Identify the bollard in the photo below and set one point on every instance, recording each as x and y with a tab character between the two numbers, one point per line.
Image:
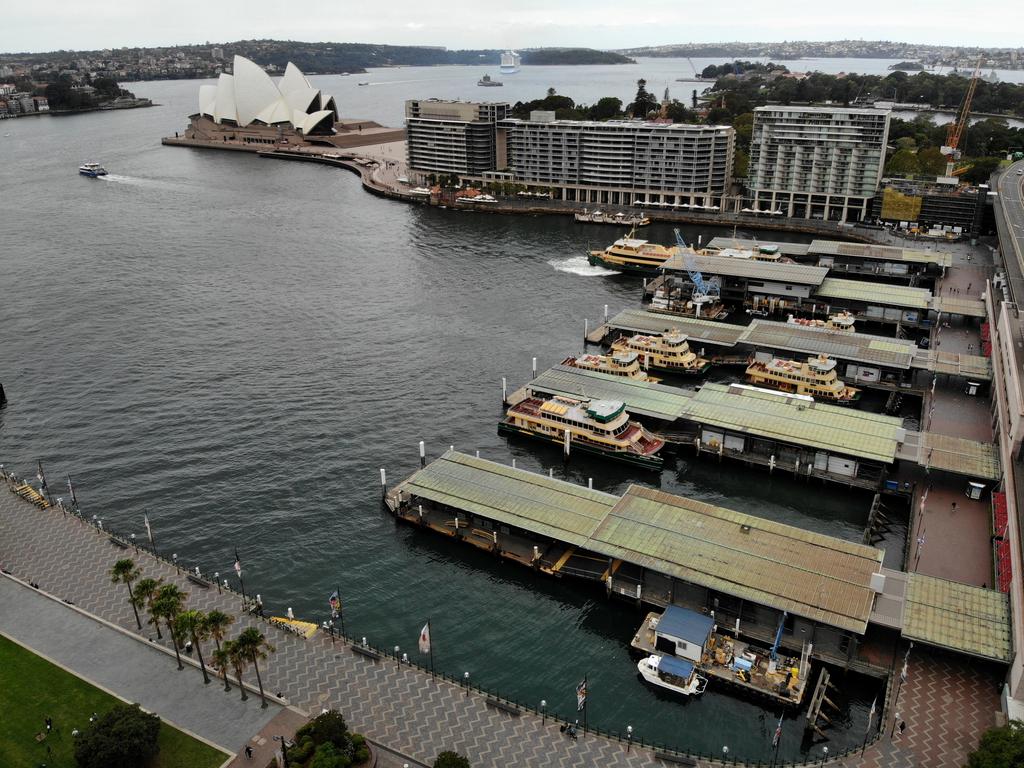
383	483
504	390
423	454
513	463
551	472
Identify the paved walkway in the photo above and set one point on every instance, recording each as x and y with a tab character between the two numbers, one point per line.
402	707
119	663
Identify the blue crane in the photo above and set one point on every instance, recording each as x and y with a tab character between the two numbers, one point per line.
703	290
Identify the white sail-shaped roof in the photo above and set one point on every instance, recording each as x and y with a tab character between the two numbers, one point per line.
297	91
255	92
207	99
310	122
224	104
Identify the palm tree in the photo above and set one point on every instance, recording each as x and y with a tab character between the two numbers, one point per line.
125	572
239	660
221	661
167	605
217	623
253	644
145	594
192	624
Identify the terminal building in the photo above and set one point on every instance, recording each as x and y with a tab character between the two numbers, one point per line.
820	163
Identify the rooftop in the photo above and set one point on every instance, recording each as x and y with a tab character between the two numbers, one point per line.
969	619
641	397
786	249
875	293
843	345
638	321
802	274
954	305
879	252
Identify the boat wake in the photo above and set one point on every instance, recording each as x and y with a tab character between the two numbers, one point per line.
578	265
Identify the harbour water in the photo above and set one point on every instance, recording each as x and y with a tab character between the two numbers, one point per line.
237	345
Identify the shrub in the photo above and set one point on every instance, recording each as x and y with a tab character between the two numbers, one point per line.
449	759
999	747
124	737
328	756
303	749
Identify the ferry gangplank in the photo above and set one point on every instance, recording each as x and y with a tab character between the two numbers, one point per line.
815	378
625	364
670	352
600	427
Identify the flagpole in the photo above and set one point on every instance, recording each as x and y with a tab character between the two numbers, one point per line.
430	640
238	570
149	530
586	703
341	615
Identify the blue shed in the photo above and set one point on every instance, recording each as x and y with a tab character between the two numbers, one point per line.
683	633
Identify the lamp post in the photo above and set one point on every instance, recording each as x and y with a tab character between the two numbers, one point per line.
725	753
543	711
824	755
135	545
629	737
465	678
284	750
398	661
216	580
174	559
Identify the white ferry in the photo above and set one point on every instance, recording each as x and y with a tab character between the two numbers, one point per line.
619	219
675	674
92	170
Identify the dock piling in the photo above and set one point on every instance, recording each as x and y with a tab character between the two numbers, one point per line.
513	463
590	483
551	472
383	483
423	454
420	508
478	453
504	390
606	313
586	328
534	368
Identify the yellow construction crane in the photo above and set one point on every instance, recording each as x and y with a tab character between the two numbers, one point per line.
956	129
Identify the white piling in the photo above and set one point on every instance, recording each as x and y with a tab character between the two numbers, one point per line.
478	454
586	328
513	463
534	369
551	472
645	283
383	482
420	506
699	239
451	448
423	454
606	313
771	463
590	483
504	390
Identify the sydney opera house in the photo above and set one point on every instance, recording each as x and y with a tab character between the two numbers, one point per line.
249	110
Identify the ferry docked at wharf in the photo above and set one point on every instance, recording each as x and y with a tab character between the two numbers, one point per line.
815	378
632	255
842	321
670	352
623	363
600	427
619	219
92	170
688	638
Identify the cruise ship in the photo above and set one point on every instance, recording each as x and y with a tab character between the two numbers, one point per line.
624	364
509	63
600	427
815	378
670	352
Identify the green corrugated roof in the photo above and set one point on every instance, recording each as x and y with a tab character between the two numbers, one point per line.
816	425
875	293
812	340
951	615
957	454
695	329
954	305
879	252
786	249
552	508
728	266
641	397
809	574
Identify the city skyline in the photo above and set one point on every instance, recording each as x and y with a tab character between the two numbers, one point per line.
530	23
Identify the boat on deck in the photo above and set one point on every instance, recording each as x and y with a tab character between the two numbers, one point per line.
817	378
629	254
92	170
670	352
600	427
676	675
625	364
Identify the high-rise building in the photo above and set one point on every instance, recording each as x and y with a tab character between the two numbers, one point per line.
619	162
816	162
452	136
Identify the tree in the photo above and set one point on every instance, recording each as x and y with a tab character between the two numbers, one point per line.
145	594
903	163
124	737
125	572
328	728
192	624
328	756
217	623
449	759
741	164
931	162
239	660
606	108
221	661
254	646
167	605
981	169
644	103
1000	747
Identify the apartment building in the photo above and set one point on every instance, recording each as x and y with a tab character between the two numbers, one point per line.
816	162
452	136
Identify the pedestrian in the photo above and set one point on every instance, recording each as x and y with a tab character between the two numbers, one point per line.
953	508
188	647
49	723
903	726
969	286
248	752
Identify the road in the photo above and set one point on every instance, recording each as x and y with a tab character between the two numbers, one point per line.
1010	222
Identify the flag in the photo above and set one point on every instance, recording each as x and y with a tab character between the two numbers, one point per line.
71	490
238	565
41	476
581	695
425	638
871	714
334	601
778	733
149	531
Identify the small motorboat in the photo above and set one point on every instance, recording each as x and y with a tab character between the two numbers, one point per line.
92	170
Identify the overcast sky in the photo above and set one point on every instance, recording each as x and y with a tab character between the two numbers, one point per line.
91	24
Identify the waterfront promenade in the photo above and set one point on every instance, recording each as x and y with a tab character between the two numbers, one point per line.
946	703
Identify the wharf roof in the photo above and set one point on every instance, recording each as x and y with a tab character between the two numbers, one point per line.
813	340
695	329
791	420
875	293
785	249
745	410
727	266
973	367
808	574
642	398
960	455
516	497
879	252
954	305
972	620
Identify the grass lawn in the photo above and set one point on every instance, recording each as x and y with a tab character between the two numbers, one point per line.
32	689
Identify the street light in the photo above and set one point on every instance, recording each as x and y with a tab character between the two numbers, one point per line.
629	737
216	580
725	754
398	661
284	750
465	677
134	544
824	754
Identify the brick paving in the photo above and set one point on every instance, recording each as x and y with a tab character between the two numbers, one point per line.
415	715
